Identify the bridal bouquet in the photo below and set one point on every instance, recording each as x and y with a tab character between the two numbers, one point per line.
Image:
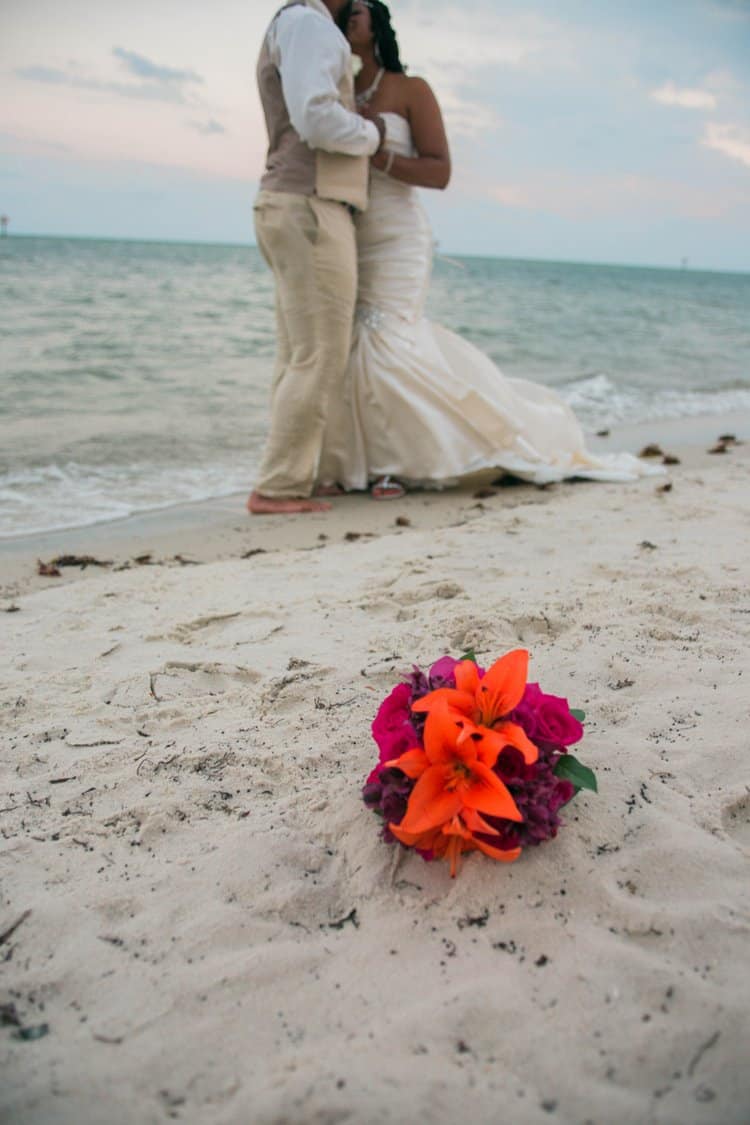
474	760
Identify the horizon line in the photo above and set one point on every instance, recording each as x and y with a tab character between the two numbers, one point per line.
681	268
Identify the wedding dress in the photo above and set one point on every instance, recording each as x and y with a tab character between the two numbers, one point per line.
421	404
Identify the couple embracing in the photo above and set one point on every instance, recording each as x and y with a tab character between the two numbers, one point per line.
367	393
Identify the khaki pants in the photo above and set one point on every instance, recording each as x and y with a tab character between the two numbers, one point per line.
309	244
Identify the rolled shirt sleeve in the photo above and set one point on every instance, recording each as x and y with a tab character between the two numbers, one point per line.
311	55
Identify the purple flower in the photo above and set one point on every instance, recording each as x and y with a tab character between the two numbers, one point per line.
443	673
538	793
388	796
546	718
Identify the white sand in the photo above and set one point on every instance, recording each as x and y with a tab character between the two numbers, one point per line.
216	932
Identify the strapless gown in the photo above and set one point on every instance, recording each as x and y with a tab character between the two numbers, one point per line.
419	402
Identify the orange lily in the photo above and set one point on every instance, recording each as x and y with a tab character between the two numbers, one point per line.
454	779
455	838
461	838
486	701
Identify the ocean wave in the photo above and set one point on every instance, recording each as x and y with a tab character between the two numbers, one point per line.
598	401
139	378
56	497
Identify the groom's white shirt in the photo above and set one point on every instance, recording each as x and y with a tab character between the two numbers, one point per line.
312	57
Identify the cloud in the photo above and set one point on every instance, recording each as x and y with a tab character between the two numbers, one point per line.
736	10
18	143
145	91
46	74
573	197
162	83
731	140
465	117
142	67
513	195
685	98
463	57
207	128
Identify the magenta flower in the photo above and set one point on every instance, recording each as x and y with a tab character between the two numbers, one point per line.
546	718
392	728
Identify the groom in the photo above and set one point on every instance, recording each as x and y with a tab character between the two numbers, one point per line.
316	176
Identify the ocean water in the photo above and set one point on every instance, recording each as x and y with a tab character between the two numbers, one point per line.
134	376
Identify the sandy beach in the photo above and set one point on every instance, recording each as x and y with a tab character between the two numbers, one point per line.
199	921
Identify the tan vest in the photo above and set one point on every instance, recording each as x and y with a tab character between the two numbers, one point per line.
291	165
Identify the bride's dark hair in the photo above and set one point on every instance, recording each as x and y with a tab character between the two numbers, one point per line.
384	37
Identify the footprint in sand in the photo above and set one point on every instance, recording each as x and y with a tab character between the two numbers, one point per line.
246	626
532	626
427	591
295	688
313	894
211	765
385	598
201	627
179	679
736	819
468	632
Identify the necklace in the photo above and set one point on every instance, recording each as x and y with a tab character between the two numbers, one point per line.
368	94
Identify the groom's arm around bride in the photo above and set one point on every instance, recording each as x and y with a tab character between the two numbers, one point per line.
316	174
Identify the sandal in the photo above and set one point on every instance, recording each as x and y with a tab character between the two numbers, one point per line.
387	488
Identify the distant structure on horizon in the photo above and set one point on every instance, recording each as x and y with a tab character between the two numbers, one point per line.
684	263
4	220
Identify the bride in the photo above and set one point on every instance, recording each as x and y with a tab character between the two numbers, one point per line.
421	406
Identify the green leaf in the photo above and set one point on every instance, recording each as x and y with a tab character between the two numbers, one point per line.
469	655
27	1033
572	770
578	714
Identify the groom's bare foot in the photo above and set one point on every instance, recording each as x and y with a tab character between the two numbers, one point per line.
258	505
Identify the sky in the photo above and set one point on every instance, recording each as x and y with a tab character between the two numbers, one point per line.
580	130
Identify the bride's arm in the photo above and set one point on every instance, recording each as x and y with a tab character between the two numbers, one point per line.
432	167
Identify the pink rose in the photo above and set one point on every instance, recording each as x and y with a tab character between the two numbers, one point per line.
392	728
546	718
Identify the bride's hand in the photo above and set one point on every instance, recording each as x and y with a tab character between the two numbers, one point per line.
380	123
380	159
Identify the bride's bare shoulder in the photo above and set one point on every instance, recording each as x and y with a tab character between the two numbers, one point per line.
410	85
415	84
414	98
418	91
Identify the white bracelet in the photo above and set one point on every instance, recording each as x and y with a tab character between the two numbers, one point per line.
389	163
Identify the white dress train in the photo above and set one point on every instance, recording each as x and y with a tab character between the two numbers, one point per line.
420	403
